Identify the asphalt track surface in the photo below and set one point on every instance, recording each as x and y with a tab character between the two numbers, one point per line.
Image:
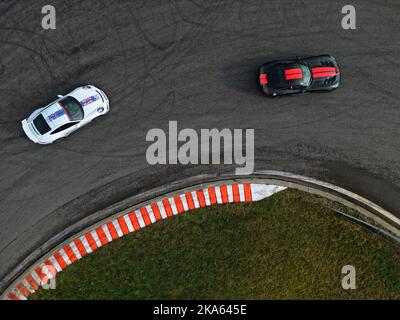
195	62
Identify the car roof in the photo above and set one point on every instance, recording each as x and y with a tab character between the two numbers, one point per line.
55	115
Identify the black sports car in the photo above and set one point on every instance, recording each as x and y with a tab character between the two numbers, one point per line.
299	75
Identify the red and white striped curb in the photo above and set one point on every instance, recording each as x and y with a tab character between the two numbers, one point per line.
130	222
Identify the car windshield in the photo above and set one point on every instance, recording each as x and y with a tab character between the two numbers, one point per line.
73	108
306	76
41	125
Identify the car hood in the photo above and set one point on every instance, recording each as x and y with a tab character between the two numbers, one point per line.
325	71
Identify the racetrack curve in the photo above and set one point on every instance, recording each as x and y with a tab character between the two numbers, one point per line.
195	62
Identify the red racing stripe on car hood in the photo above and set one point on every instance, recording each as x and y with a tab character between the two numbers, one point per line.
322	72
293	74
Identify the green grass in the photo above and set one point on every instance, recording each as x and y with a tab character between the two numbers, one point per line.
286	247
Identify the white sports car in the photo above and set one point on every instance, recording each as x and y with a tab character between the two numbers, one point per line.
65	115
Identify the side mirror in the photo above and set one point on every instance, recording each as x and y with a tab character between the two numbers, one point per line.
60	96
